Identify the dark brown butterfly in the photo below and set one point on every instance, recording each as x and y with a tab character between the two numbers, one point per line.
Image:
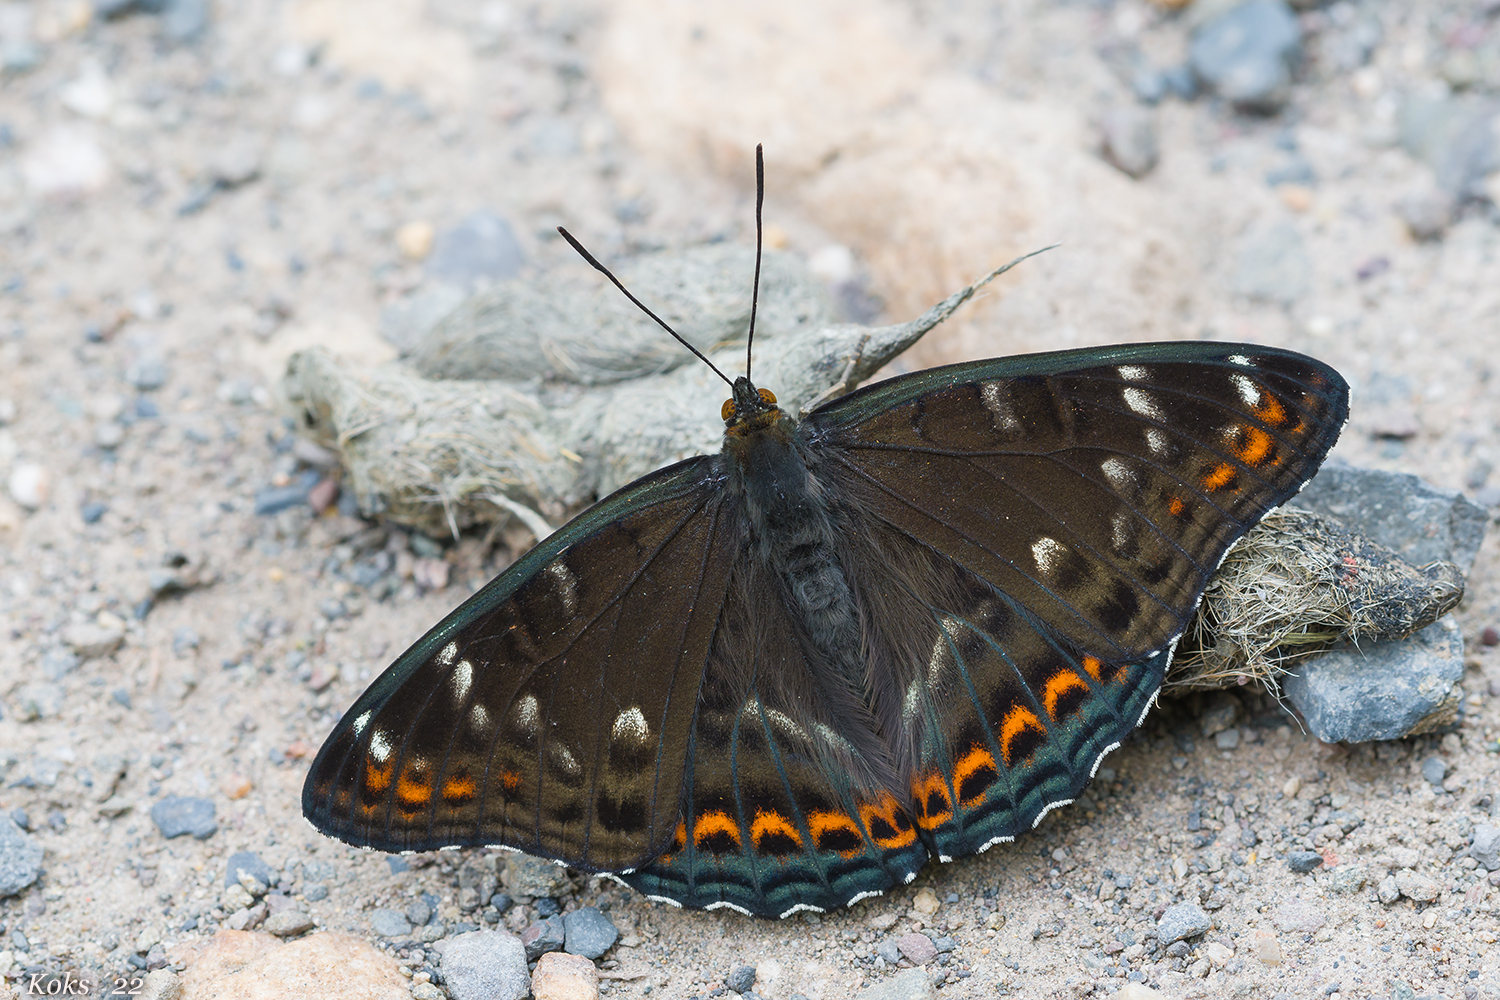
784	676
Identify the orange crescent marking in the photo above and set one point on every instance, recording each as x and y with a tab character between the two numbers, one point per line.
377	779
1058	685
767	822
1222	476
459	789
411	791
1256	448
1270	409
921	791
1093	665
1176	506
511	780
710	823
977	759
889	810
1017	721
821	822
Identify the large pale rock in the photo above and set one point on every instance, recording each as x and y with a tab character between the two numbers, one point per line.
243	965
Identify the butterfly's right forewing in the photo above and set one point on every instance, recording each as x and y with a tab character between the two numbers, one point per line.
552	711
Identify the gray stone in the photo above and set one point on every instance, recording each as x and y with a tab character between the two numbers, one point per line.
1298	915
20	859
909	984
289	923
59	663
1247	54
1181	921
1383	690
1129	139
91	641
917	949
1272	264
39	700
485	965
888	950
1485	847
315	892
1455	136
740	978
389	923
246	861
528	876
1348	878
1435	769
175	816
1222	712
1387	891
186	20
418	912
1304	861
1417	887
1227	740
480	248
1427	213
543	936
589	933
1422	523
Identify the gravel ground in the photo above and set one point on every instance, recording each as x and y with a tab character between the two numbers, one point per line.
190	192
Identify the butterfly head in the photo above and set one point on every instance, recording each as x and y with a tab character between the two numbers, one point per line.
750	409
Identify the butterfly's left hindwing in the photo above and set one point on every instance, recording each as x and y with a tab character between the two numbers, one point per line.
551	712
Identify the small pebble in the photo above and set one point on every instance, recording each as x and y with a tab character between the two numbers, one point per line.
1304	861
1129	139
418	912
544	936
1435	769
175	816
485	964
20	859
1417	887
1181	921
92	511
589	933
1490	636
30	484
564	977
1246	54
389	923
740	978
1485	846
414	239
289	923
918	949
481	248
315	892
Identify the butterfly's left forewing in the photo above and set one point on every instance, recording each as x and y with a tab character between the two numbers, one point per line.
551	712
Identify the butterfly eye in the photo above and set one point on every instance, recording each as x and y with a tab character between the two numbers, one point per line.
727	410
767	396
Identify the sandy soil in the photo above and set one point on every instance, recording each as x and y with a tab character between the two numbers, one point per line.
178	216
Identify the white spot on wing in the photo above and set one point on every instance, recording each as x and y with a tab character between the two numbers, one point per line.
1247	389
997	401
1120	531
380	746
362	721
566	583
525	715
796	909
564	759
479	717
1133	373
448	654
1241	360
460	681
909	879
1141	402
1048	553
1158	442
945	858
1119	473
630	725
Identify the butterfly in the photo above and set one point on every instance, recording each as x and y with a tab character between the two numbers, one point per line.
785	676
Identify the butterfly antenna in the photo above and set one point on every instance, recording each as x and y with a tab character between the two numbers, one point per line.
641	305
760	201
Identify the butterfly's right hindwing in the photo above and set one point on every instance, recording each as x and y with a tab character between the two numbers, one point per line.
551	711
